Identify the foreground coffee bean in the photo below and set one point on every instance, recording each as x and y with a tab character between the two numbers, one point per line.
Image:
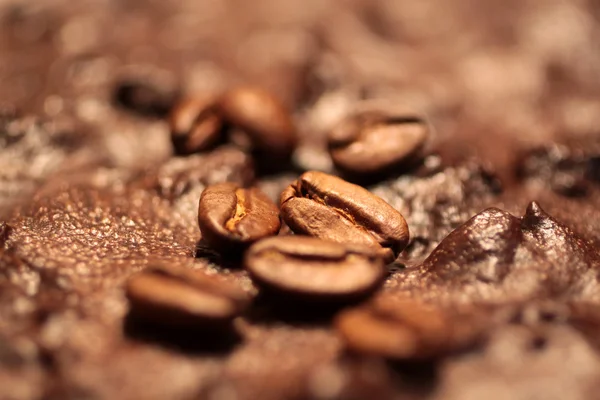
327	207
145	98
263	118
231	218
179	297
407	329
304	268
195	125
373	141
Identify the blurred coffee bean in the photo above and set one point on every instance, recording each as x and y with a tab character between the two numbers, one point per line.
569	170
327	207
180	297
374	141
304	268
195	125
407	329
231	218
569	185
145	98
263	118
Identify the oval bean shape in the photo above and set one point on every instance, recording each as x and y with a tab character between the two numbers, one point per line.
372	141
178	296
325	206
308	268
195	125
408	329
231	218
263	118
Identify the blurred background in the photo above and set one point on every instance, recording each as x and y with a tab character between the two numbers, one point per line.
515	72
496	79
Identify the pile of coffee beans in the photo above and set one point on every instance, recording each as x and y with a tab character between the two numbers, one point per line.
341	236
338	236
213	200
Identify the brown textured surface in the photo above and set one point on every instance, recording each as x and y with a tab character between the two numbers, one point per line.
90	193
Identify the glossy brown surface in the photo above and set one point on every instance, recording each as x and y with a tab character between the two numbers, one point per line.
177	296
312	269
231	218
93	194
195	124
408	329
374	141
328	207
263	118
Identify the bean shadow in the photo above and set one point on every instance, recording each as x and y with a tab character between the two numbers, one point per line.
204	250
189	340
419	375
231	260
267	308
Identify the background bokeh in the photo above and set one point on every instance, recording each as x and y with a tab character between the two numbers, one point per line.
516	72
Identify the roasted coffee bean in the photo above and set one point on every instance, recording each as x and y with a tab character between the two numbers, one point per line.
305	268
408	329
180	297
374	141
231	218
325	206
263	118
195	125
145	98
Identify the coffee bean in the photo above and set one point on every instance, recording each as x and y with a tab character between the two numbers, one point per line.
145	98
374	141
231	218
408	329
305	268
325	206
263	118
180	297
195	125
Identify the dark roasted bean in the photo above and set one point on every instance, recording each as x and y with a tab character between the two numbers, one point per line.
325	206
195	125
306	268
145	98
373	141
407	329
263	118
180	297
231	218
